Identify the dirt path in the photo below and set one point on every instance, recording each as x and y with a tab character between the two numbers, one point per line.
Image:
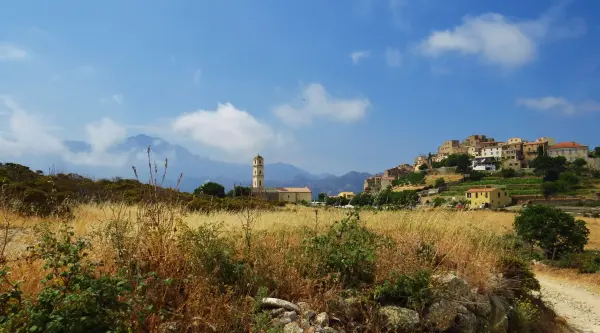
579	306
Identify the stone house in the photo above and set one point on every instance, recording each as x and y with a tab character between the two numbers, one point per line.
488	197
569	150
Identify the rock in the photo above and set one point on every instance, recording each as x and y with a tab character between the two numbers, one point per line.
291	315
305	324
453	285
329	330
397	318
480	305
466	321
277	312
322	319
304	307
349	308
310	315
270	302
292	328
441	314
168	327
499	314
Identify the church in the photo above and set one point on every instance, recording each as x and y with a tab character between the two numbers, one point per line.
286	194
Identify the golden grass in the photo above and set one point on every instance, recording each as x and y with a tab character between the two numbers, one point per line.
430	179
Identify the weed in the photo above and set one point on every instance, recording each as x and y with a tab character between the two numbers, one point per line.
405	290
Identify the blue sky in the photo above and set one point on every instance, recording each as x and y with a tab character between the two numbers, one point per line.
329	86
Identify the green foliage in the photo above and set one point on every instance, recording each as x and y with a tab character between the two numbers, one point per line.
362	199
586	262
518	273
211	188
508	173
507	181
75	296
440	182
423	167
527	314
240	191
347	251
548	188
553	230
401	199
438	201
579	163
337	201
213	254
549	167
322	197
413	178
406	290
475	176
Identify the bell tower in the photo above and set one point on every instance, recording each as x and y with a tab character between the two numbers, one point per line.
258	173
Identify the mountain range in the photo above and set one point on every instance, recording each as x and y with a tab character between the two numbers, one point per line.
197	169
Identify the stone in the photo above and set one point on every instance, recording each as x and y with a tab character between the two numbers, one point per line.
329	330
480	305
277	312
349	308
499	314
168	327
269	303
453	285
291	315
322	319
466	321
397	318
441	314
304	307
292	328
310	315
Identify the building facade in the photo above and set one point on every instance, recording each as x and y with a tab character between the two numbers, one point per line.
483	164
449	147
284	194
488	197
569	150
258	172
347	195
377	183
492	151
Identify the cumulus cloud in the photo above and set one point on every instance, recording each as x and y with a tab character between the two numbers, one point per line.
316	103
558	104
10	52
29	135
357	56
227	128
501	41
393	57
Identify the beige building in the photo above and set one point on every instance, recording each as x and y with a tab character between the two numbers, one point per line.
512	154
473	151
489	197
570	150
514	141
420	160
377	183
492	151
398	171
286	194
347	195
449	147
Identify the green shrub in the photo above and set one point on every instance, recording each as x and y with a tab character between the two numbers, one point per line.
527	315
75	297
347	250
508	172
214	254
586	262
406	290
518	273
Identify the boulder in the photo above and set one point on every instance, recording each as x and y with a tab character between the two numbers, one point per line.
329	330
349	308
453	285
292	328
269	303
291	315
322	319
304	307
499	314
310	315
277	312
397	318
480	305
466	321
442	314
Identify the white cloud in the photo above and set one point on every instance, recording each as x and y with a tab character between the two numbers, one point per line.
559	104
118	98
501	41
10	52
358	55
29	134
393	57
316	103
227	128
197	75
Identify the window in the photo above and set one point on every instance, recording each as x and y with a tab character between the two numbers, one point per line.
468	195
498	194
260	172
259	183
476	195
486	195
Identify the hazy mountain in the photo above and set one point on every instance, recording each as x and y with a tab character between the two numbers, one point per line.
198	169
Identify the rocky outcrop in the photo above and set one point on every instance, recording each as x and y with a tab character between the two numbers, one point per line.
397	318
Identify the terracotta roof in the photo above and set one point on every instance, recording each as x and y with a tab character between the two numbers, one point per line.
294	189
388	178
484	189
570	144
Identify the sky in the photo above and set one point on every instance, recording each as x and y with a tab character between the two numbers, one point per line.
329	86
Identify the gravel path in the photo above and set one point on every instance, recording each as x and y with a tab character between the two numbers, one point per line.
579	306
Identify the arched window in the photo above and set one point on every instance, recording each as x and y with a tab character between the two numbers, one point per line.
260	172
259	183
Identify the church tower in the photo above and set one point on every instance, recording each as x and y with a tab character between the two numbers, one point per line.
258	173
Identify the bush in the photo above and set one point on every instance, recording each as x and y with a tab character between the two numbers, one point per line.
518	273
476	176
75	296
347	250
406	290
213	254
508	173
438	201
440	182
586	262
212	189
553	230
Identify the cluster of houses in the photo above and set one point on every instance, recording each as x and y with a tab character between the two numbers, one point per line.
515	153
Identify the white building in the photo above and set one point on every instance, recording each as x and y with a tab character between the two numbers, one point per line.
483	164
492	151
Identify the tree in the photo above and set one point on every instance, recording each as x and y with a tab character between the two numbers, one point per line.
597	152
322	197
579	163
508	172
440	182
548	188
423	167
239	191
554	231
540	150
549	167
212	189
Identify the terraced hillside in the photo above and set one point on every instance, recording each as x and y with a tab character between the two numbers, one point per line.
514	186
